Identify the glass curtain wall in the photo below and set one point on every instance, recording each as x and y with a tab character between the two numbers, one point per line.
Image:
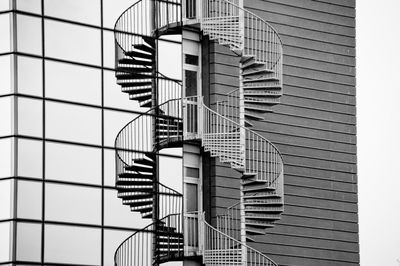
60	111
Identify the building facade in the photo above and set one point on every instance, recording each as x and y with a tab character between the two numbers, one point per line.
89	173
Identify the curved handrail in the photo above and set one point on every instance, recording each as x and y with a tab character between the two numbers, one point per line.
126	246
142	146
217	240
254	36
263	159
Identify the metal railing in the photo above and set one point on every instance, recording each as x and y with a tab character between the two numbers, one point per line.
135	251
222	138
219	248
229	223
230	107
230	24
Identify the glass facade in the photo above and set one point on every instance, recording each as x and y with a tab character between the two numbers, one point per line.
60	111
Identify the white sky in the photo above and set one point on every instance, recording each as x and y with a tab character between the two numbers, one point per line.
378	111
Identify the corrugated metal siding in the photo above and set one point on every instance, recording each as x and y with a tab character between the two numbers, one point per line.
314	128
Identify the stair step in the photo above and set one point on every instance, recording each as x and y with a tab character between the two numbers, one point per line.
135	195
145	103
141	55
144	47
253	116
135	175
134	189
139	168
138	91
256	71
259	188
269	217
142	209
145	161
252	64
136	84
132	61
262	196
140	97
134	69
137	203
133	182
133	75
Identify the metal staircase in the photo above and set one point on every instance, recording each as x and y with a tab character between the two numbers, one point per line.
222	132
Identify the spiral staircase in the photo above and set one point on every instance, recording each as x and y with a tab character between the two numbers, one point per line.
222	132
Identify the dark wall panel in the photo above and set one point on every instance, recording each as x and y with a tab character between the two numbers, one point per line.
314	128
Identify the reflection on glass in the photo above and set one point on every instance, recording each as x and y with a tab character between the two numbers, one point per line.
72	42
87	11
6	157
5	42
70	203
73	123
29	242
6	125
5	74
171	169
84	163
191	197
30	117
29	34
117	214
5	241
30	75
30	158
72	244
73	82
34	6
5	199
29	200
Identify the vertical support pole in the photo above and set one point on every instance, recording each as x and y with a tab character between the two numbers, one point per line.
242	135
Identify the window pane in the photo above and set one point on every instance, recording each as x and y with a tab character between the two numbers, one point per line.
5	74
109	48
69	203
73	123
171	169
73	83
170	62
30	158
30	117
112	239
6	125
5	33
73	42
113	123
192	172
34	6
71	244
114	97
29	241
5	199
29	34
30	75
84	163
6	157
191	82
5	241
87	11
109	167
191	197
117	214
29	200
112	10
